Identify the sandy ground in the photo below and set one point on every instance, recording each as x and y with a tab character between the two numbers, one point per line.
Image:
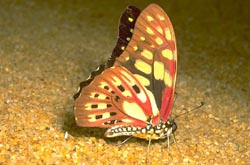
47	48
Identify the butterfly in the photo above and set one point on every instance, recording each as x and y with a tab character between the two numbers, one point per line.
132	94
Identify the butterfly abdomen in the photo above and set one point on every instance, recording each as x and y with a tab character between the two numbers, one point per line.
161	131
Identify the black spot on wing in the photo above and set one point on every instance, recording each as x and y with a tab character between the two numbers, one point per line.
94	106
112	113
121	88
117	98
98	116
136	88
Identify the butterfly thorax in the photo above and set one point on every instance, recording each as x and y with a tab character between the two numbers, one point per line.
160	131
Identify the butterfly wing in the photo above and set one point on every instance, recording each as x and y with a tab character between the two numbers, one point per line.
114	97
126	26
152	57
139	87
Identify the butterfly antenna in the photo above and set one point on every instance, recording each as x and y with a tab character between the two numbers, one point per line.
147	155
201	104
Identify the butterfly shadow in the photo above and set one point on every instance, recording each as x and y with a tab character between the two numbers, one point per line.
70	126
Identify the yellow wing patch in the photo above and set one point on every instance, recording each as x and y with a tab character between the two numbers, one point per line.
167	79
158	70
150	31
161	18
130	19
116	81
167	53
127	93
133	109
159	41
159	29
135	48
143	66
149	18
93	118
153	103
99	96
144	81
167	34
148	54
142	38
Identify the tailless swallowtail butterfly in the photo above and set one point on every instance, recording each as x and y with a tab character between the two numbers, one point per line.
132	94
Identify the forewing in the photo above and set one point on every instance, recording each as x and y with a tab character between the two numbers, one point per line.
126	27
151	57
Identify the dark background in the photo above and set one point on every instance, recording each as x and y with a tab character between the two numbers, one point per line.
48	47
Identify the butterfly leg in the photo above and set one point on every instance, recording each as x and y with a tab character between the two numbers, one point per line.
148	149
124	141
